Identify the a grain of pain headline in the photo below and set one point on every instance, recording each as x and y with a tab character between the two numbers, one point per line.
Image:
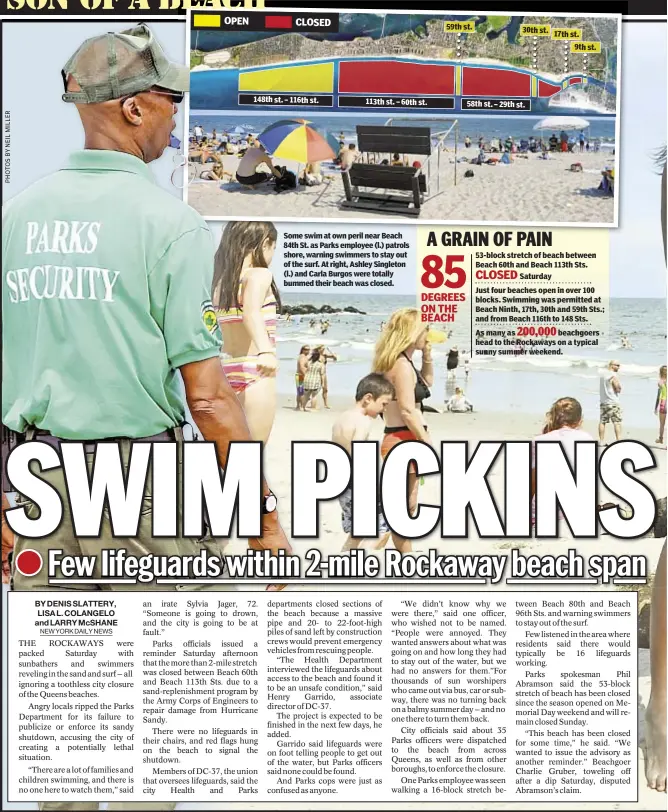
538	488
130	5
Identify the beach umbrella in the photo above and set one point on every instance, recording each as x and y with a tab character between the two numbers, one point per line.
334	143
295	140
559	123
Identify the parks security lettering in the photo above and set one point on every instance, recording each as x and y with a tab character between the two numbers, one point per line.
47	281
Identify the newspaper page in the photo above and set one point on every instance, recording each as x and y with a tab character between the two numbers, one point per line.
333	405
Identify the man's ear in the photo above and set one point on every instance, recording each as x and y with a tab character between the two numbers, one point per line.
132	112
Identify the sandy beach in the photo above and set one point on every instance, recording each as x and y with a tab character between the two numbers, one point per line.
529	189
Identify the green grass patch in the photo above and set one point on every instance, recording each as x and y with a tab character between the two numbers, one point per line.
498	21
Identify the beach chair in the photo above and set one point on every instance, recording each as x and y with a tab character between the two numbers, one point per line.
524	145
384	179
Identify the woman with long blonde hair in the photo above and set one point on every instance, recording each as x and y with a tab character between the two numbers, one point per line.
247	301
402	336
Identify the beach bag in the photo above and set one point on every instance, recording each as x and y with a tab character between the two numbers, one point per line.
287	180
469	173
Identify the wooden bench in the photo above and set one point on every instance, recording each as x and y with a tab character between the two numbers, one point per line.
385	177
394	178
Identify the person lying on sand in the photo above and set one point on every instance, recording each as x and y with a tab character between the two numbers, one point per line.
216	172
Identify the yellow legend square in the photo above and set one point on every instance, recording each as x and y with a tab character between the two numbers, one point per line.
206	20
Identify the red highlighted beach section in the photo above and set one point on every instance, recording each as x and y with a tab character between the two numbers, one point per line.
547	88
502	82
389	76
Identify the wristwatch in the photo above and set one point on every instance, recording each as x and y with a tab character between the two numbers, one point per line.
269	503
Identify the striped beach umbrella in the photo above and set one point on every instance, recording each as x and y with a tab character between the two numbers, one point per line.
295	140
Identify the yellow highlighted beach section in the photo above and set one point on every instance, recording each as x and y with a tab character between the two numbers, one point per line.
314	78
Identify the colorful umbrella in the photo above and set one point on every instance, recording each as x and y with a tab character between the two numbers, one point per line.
295	140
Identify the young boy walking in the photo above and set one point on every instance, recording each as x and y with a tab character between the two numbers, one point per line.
374	392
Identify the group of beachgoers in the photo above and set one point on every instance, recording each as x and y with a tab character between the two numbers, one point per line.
555	143
209	150
311	377
247	302
504	151
610	389
255	167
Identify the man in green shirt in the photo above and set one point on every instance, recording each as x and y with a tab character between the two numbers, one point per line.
106	293
106	290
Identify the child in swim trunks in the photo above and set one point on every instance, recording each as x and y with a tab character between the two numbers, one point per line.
374	392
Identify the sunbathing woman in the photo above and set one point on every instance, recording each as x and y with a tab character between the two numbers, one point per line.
247	299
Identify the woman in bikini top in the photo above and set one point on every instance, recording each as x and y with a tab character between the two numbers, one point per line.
403	334
247	302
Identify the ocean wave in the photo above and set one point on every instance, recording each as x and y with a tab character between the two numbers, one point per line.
360	345
552	362
310	339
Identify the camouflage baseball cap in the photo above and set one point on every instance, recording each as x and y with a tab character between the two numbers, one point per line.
115	65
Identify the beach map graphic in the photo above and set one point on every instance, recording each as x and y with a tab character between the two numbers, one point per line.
443	62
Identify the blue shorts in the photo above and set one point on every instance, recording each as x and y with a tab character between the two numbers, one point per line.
346	502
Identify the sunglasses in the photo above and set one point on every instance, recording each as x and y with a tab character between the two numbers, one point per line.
175	95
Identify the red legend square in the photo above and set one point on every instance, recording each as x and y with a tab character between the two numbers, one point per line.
275	21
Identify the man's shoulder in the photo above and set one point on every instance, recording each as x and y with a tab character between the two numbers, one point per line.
172	211
154	202
28	196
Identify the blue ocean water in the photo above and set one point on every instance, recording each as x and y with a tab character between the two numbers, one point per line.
527	384
473	126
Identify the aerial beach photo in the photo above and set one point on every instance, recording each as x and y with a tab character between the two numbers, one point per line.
484	181
396	116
